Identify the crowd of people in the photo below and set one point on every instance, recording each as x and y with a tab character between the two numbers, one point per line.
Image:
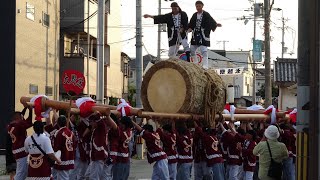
98	147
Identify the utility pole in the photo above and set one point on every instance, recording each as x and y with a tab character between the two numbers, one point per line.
314	125
159	34
224	44
253	59
100	51
88	47
268	83
282	43
139	66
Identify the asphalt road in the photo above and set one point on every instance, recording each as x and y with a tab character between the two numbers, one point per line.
140	169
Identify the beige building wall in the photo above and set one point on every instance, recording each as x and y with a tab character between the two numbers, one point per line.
114	74
287	98
31	43
92	76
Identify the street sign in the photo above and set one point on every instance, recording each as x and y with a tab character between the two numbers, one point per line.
73	81
230	71
257	50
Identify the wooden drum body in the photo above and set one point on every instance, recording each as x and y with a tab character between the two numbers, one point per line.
176	86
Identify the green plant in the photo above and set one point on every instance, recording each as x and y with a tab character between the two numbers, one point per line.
113	101
131	95
261	91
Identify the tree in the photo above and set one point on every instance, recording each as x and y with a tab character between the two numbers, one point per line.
261	92
132	95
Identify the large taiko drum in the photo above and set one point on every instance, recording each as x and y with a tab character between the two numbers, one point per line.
176	86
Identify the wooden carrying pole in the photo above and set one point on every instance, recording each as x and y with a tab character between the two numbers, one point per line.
227	117
66	105
240	114
246	111
59	105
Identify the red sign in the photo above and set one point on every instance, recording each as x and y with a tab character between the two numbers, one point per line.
73	81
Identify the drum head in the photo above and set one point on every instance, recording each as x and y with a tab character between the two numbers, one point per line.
166	90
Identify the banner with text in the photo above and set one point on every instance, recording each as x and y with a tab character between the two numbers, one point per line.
230	71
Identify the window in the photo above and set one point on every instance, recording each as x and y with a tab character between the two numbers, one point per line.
107	55
131	73
33	89
46	19
49	90
248	89
258	83
126	69
30	11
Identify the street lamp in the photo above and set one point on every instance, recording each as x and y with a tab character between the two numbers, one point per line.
282	19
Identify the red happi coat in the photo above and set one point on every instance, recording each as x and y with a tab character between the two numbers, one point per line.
249	160
18	133
234	157
113	144
169	145
184	147
119	144
65	141
212	151
260	134
293	144
287	137
153	143
39	167
224	146
98	142
83	142
198	146
52	131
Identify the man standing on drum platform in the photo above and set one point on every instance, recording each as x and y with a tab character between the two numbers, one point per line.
201	24
177	24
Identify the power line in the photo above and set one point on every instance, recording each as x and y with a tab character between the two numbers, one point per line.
107	43
237	62
89	17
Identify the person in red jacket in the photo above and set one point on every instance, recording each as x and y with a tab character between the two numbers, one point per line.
51	126
246	149
155	152
17	130
201	169
39	147
83	145
64	141
287	137
185	154
234	161
168	137
122	134
214	158
98	145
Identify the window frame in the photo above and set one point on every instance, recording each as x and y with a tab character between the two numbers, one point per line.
44	14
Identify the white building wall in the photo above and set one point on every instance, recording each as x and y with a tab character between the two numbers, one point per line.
287	98
114	75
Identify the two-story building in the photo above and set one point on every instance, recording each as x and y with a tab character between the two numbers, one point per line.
78	46
242	82
34	64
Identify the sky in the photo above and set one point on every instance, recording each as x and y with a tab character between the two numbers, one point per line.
226	12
